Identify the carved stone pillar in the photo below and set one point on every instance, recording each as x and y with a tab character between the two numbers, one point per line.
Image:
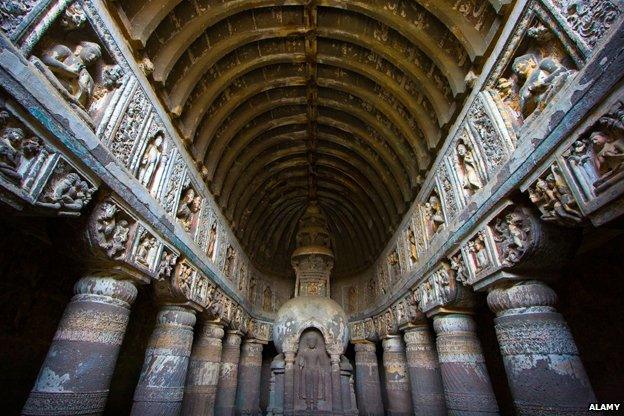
77	371
545	372
424	372
397	377
367	384
276	393
289	383
228	376
249	369
346	385
203	371
467	386
161	386
336	384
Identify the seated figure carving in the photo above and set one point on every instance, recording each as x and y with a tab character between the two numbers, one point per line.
70	68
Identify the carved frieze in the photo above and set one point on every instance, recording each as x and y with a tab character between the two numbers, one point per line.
146	249
447	192
72	57
590	19
438	289
13	13
66	191
539	61
188	208
33	168
597	157
362	330
166	264
552	196
111	227
432	214
260	330
468	167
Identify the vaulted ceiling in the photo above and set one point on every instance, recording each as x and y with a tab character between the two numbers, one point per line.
344	101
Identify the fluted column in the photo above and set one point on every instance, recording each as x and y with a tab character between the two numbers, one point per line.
161	386
367	384
203	372
545	372
249	373
75	376
397	377
228	376
424	372
467	387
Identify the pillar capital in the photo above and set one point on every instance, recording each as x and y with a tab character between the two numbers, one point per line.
106	289
524	294
364	346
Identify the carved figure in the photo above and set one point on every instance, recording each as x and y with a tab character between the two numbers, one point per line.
310	360
468	165
512	235
185	278
457	265
151	159
552	196
9	152
11	12
351	299
71	69
71	193
540	78
167	263
433	214
113	232
228	265
393	262
189	205
73	18
608	144
267	299
146	247
478	248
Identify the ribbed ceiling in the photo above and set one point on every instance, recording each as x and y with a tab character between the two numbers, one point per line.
344	101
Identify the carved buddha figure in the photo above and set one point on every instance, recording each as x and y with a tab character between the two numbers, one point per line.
468	165
70	69
151	160
433	214
311	360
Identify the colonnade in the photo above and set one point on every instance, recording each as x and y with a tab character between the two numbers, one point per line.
445	373
192	366
204	368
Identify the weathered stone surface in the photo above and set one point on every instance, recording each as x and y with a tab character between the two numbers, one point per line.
249	373
424	372
545	372
467	386
228	374
76	374
367	382
160	389
203	371
397	377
